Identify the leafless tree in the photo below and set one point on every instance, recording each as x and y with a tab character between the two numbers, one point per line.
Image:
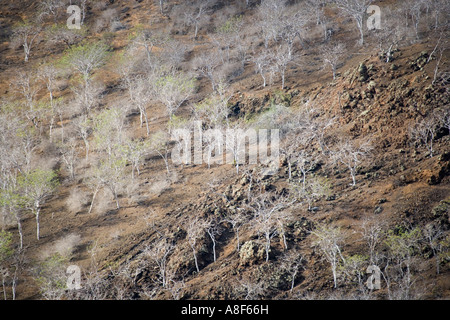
95	283
27	143
373	232
440	48
48	74
108	136
174	54
439	8
59	109
292	27
25	85
312	190
237	219
305	163
87	96
424	132
445	119
317	8
85	59
50	8
267	215
265	65
271	15
19	263
159	253
140	96
124	279
175	287
207	64
227	36
135	151
110	174
332	55
351	154
108	128
318	126
213	229
236	137
36	186
68	153
390	35
413	10
148	39
292	262
83	4
294	130
283	58
83	126
195	229
252	289
159	143
197	15
212	140
328	240
60	33
174	90
357	10
213	114
26	35
433	234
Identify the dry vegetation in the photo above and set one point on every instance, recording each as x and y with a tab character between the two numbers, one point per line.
87	118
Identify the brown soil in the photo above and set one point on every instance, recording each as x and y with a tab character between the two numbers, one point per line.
409	182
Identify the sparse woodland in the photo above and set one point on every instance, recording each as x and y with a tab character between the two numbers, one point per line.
89	116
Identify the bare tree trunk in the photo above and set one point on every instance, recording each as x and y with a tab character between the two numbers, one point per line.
195	259
293	279
360	24
19	227
86	145
26	50
211	235
4	288
353	174
290	169
62	126
438	62
14	284
196	31
146	123
93	198
116	198
267	246
37	223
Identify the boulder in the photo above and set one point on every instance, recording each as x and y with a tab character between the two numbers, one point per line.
251	252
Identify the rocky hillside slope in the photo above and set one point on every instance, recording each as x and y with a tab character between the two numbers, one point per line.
196	231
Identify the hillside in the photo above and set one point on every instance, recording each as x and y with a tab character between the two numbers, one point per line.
88	124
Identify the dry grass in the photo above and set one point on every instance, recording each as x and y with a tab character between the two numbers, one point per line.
64	246
77	201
